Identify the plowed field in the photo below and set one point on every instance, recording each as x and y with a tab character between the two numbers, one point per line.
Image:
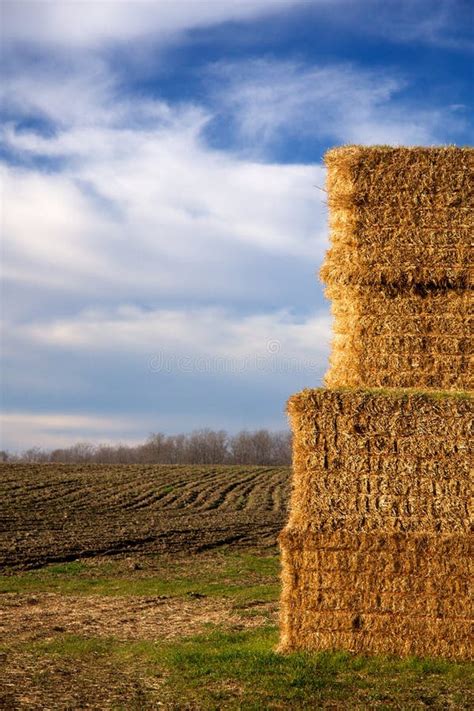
173	604
59	512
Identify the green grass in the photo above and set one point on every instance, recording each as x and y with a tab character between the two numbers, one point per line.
224	669
265	677
241	576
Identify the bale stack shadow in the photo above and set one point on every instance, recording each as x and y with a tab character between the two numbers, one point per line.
377	550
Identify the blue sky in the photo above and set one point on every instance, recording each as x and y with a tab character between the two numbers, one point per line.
163	220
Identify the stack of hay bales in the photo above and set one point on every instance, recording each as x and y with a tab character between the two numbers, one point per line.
376	553
400	269
377	549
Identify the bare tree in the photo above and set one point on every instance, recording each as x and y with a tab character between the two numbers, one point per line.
200	447
207	447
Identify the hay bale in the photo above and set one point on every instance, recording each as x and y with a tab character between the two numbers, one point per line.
400	268
400	216
377	548
398	593
389	460
401	338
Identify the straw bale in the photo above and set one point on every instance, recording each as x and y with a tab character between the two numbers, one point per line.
400	216
382	171
378	460
377	552
401	338
382	593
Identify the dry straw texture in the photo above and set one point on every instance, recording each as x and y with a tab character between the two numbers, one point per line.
400	268
400	216
377	593
376	550
409	338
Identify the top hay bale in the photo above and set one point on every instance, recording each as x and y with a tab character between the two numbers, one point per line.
400	216
400	268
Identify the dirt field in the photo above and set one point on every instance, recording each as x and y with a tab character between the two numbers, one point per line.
53	513
95	634
136	588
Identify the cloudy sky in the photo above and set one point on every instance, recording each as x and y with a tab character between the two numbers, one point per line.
162	211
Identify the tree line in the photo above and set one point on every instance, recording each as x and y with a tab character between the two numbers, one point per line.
203	446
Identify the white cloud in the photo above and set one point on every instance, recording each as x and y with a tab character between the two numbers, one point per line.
143	212
144	226
81	89
20	430
63	421
446	23
144	206
92	24
205	333
272	100
85	22
141	199
165	351
48	224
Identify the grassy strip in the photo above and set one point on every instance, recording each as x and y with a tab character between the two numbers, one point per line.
241	670
221	669
241	576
